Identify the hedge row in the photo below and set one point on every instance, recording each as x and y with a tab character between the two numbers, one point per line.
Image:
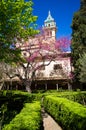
11	103
15	97
28	119
5	95
79	97
70	115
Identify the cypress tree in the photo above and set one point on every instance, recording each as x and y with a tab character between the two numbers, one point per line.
78	37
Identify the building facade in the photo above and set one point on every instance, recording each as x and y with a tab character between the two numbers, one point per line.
55	74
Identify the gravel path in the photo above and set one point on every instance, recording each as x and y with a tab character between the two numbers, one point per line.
49	123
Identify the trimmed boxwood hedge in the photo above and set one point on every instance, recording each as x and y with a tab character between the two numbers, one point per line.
70	115
7	95
79	97
11	103
28	119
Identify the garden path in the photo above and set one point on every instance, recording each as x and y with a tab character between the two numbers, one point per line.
49	123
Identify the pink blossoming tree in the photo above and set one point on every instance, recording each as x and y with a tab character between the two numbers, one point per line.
35	52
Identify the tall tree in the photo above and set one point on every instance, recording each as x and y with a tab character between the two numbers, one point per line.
82	75
16	22
78	36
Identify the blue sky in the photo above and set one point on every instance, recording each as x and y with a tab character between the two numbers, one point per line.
61	10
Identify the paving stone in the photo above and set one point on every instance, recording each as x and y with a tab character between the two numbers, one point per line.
49	123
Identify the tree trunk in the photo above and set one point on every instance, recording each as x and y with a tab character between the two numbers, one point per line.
27	85
1	85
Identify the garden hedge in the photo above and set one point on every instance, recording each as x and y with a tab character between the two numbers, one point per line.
28	119
79	97
11	103
70	115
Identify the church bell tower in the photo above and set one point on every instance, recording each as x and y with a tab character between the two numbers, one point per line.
50	26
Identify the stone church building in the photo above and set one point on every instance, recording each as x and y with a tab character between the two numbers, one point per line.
57	74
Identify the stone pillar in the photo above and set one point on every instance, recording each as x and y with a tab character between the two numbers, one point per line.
69	87
35	86
16	87
8	86
45	86
57	87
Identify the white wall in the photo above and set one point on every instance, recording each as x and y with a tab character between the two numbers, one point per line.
66	68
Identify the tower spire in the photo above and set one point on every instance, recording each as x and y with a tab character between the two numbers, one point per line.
49	13
49	18
50	25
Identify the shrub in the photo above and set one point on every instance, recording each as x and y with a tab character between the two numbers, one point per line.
70	115
79	97
11	103
28	119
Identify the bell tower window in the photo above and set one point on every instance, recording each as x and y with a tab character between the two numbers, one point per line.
48	25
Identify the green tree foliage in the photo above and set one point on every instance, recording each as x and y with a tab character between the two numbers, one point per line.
82	74
16	22
78	36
